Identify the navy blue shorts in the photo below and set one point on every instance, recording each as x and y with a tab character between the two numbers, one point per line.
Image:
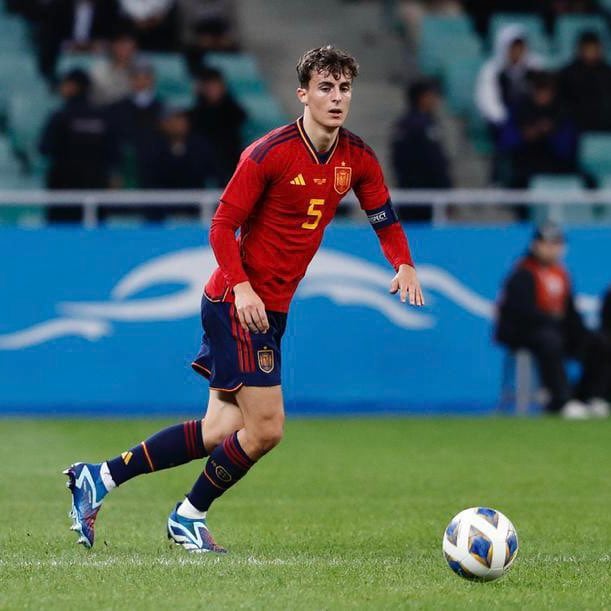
231	357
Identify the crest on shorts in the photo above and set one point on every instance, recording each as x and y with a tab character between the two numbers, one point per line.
266	360
343	176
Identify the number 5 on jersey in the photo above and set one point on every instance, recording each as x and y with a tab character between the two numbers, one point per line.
314	214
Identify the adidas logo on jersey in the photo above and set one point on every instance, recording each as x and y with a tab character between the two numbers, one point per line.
298	180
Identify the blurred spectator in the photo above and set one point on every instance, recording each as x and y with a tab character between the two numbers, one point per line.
79	143
539	136
211	34
503	81
219	119
418	154
153	21
537	312
73	25
179	159
136	116
135	119
585	85
111	76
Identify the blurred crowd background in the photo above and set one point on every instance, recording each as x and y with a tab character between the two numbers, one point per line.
163	94
115	94
525	84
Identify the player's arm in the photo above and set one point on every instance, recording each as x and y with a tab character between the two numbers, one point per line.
237	203
374	198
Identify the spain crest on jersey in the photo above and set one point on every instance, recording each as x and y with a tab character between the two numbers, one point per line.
343	177
266	360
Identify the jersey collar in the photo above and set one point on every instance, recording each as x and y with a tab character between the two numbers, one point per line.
318	158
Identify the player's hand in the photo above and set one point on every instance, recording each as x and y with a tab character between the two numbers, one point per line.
250	308
406	283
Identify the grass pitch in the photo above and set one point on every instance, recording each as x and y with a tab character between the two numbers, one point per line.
344	514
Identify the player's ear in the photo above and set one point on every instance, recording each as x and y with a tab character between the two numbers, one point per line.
302	95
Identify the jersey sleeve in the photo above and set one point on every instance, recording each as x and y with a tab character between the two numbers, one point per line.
373	195
370	187
246	185
237	202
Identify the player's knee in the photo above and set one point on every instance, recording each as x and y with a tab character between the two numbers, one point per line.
269	434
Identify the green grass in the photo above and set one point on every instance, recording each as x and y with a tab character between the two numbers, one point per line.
343	514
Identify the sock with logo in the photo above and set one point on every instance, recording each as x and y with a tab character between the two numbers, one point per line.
170	447
227	464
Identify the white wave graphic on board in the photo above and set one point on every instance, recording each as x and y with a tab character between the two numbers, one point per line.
190	267
346	280
52	329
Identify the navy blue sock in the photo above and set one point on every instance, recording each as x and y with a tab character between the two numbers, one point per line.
170	447
227	464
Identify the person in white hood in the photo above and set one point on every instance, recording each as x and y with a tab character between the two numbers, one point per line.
503	80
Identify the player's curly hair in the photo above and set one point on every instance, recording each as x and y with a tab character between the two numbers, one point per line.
326	59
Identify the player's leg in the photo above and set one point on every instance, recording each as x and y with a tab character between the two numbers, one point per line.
263	412
223	417
170	447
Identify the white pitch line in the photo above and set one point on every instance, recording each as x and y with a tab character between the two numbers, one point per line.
195	560
252	561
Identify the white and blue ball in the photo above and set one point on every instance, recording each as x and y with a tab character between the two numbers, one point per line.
480	543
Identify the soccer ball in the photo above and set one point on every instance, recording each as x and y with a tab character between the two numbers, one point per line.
480	543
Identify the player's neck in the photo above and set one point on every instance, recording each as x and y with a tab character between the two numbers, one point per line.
321	137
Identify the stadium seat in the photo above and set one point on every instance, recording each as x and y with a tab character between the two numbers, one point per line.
569	28
18	72
533	25
240	71
26	115
70	61
264	114
14	35
12	178
459	83
173	80
445	37
595	154
570	213
8	162
571	183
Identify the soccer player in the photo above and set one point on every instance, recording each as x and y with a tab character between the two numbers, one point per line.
284	192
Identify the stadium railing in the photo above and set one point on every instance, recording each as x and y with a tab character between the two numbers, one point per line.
561	206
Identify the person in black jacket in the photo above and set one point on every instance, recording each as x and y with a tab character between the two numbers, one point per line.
80	144
418	154
537	312
585	85
540	136
135	119
219	119
178	159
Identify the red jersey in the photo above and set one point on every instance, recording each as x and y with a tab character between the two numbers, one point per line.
552	286
282	196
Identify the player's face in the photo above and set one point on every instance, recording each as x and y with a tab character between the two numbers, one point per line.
327	98
549	252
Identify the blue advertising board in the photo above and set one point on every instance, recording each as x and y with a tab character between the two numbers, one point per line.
106	321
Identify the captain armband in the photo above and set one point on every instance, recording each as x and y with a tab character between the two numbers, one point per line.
383	216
